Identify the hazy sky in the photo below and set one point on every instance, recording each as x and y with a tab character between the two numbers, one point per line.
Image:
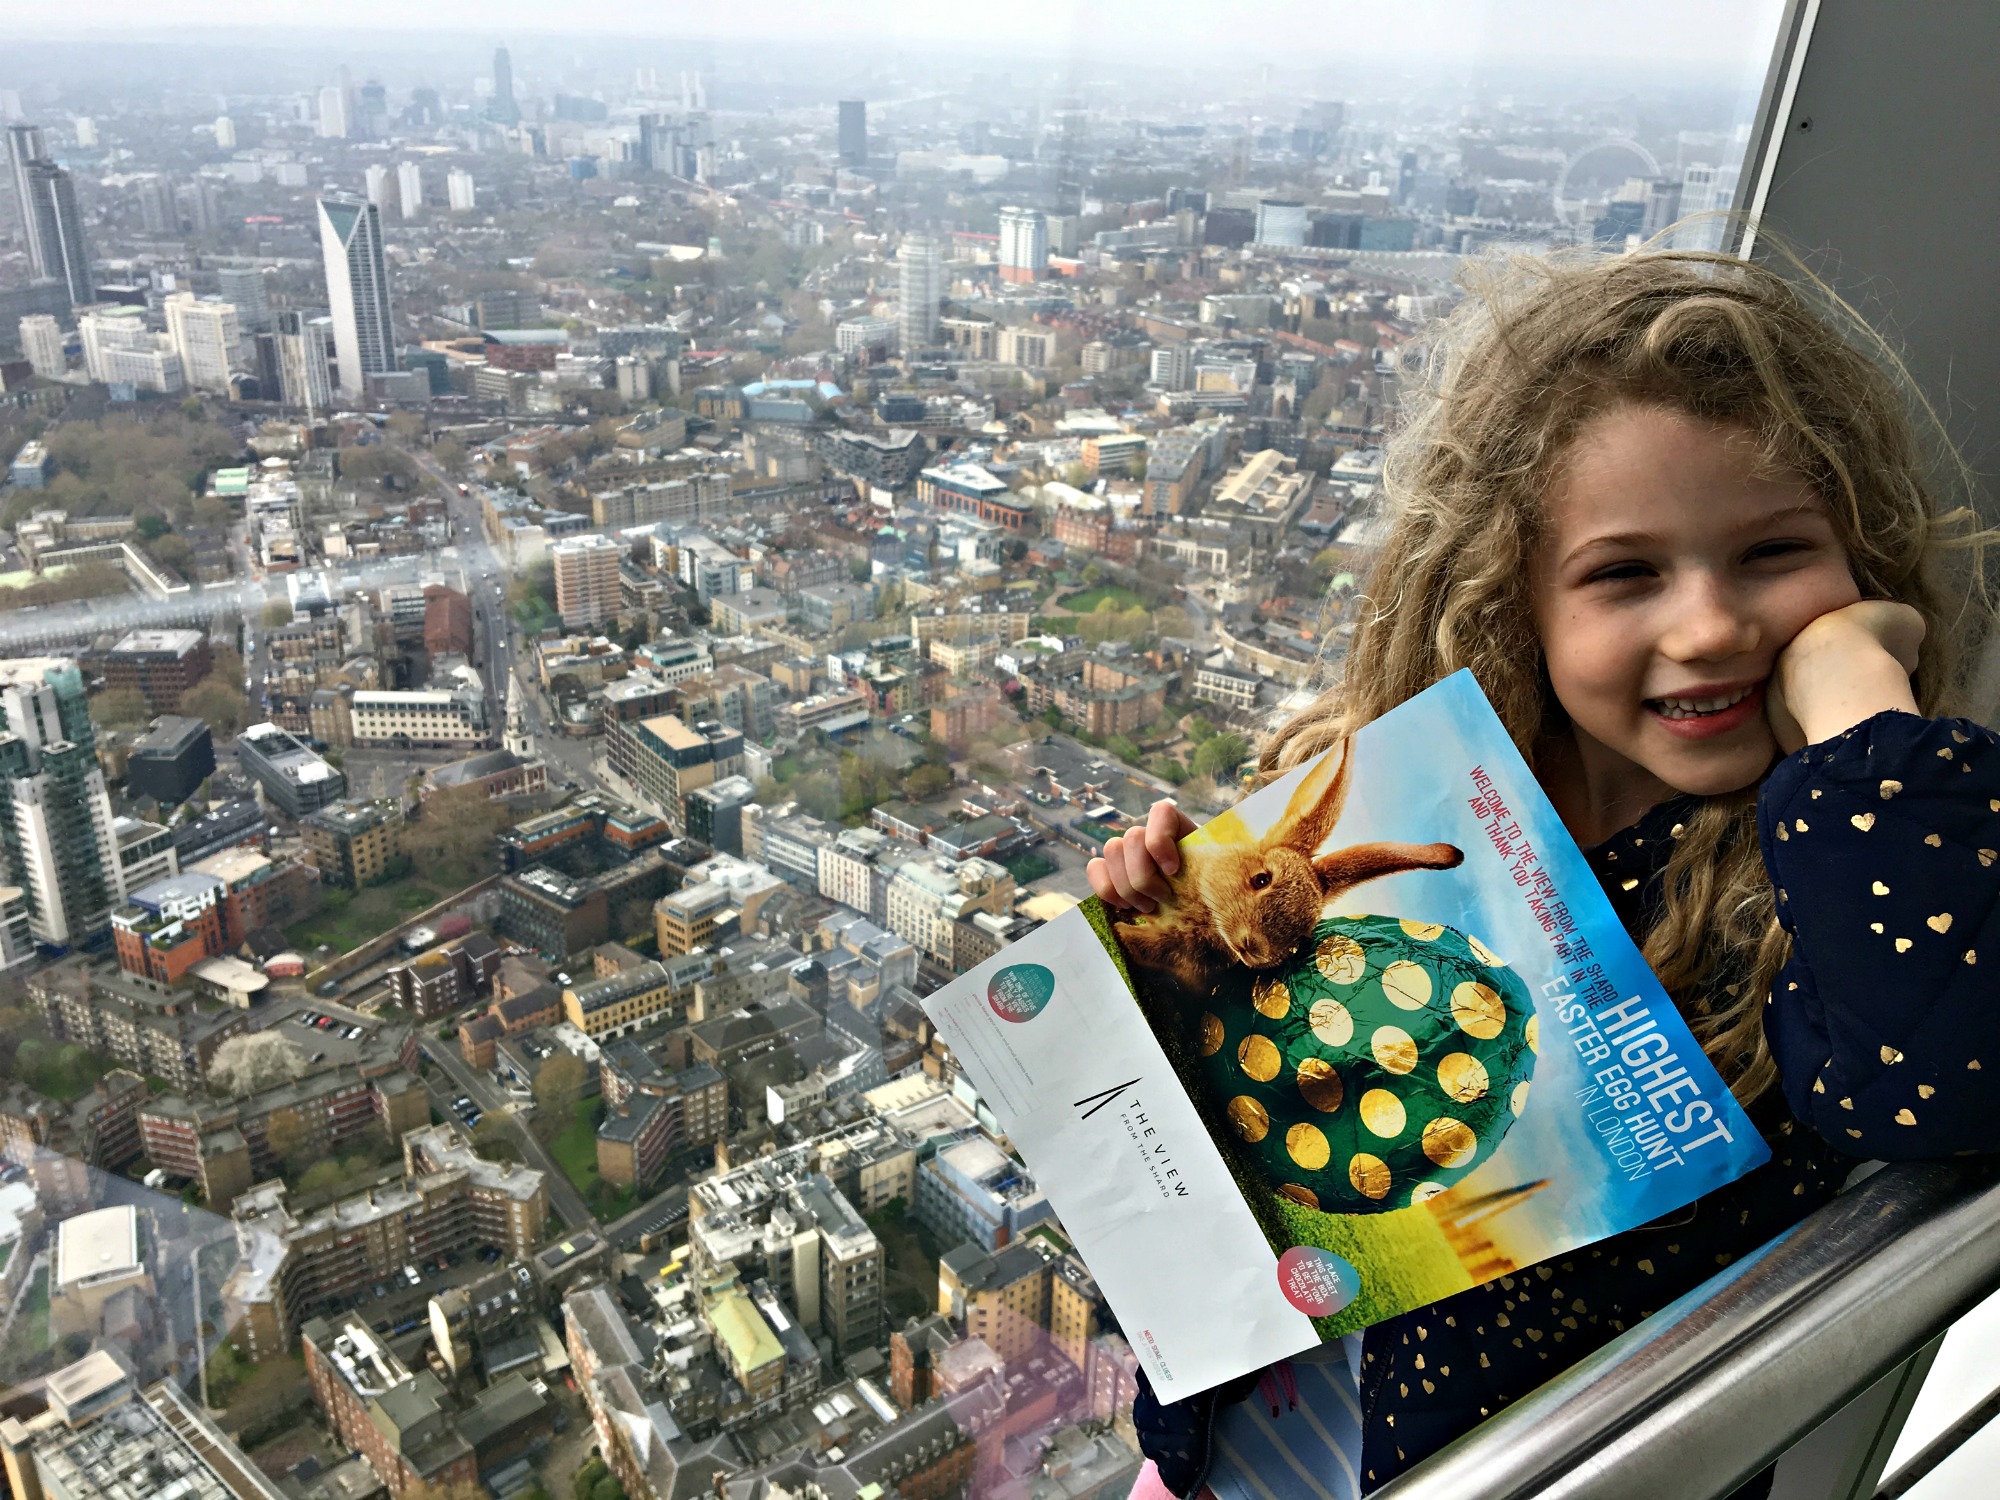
1676	33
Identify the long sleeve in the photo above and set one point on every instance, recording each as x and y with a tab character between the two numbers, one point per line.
1885	1023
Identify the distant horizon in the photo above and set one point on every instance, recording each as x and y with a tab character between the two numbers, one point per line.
1675	35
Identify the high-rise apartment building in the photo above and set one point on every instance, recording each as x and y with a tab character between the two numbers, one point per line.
854	132
410	189
57	225
119	349
243	288
57	841
586	569
459	191
376	184
42	343
501	106
357	290
1280	221
206	337
335	113
1024	245
225	133
920	290
305	361
1173	367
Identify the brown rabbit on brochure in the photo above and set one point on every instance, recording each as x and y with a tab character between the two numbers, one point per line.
1253	905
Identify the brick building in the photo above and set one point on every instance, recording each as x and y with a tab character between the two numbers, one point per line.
159	665
447	621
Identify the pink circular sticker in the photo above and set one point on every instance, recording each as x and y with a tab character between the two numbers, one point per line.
1317	1282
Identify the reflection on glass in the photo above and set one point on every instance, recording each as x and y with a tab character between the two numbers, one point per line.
710	539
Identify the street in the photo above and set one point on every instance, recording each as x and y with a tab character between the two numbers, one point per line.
483	1091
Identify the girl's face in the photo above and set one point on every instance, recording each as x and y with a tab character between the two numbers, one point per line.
1669	577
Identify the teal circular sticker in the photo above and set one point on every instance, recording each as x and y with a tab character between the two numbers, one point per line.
1317	1282
1020	991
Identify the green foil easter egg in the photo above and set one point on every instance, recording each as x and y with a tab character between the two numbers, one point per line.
1383	1064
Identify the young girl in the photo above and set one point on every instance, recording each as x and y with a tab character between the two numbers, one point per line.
1682	532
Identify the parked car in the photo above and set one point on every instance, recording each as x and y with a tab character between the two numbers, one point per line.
381	1290
410	1275
327	989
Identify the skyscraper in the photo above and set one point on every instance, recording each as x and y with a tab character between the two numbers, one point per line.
1281	221
376	184
502	106
24	144
357	290
854	132
586	579
206	337
225	133
305	351
335	113
458	188
56	837
1024	244
58	226
920	290
243	286
410	189
42	343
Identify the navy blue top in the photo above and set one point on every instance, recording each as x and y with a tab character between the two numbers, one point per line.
1882	845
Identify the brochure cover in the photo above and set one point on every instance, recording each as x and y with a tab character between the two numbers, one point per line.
1388	1042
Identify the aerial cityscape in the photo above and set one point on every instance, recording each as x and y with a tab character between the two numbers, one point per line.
553	589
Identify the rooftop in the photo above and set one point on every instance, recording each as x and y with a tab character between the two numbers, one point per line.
102	1243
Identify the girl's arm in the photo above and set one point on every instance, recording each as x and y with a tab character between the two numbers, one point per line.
1884	844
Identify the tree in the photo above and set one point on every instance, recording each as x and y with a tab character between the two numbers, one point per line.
173	550
277	614
218	701
1075	475
322	1175
925	782
1172	620
452	835
406	425
256	1061
492	1138
557	1088
450	455
1219	755
286	1134
152	526
120	708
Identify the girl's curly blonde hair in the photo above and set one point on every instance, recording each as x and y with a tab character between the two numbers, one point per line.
1497	392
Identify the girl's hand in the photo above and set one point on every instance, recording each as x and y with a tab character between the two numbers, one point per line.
1135	868
1848	665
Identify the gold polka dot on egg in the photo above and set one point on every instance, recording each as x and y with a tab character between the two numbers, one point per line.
1369	1175
1382	1112
1259	1058
1341	959
1394	1050
1306	1145
1271	998
1320	1085
1249	1118
1212	1034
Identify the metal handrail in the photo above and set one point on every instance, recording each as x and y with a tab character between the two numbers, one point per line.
1712	1389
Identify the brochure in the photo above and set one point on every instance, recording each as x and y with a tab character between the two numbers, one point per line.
1388	1042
